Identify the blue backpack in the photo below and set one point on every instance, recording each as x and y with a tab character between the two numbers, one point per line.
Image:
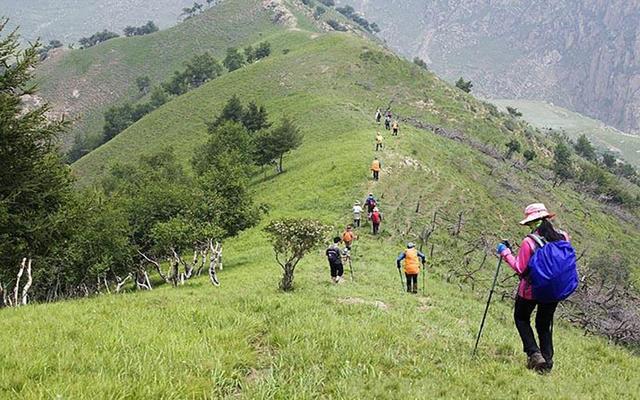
553	273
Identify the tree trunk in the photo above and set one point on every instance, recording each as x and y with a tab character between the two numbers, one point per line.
287	278
280	170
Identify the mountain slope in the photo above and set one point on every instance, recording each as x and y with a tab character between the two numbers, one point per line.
362	339
84	83
582	55
544	115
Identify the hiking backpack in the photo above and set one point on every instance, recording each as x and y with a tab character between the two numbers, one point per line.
333	255
552	270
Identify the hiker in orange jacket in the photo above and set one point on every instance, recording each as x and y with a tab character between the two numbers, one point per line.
376	166
348	237
395	127
412	260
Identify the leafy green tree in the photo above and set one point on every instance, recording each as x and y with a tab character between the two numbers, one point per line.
263	50
292	239
347	11
562	164
34	181
97	38
158	97
232	111
513	112
233	60
200	69
463	85
117	119
375	28
529	155
512	147
255	118
227	141
609	160
319	11
277	142
585	149
249	54
143	83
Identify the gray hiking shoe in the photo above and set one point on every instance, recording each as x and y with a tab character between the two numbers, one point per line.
536	361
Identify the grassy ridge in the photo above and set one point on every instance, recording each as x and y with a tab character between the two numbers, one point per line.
246	340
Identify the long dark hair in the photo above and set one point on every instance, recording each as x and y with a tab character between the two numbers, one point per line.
547	231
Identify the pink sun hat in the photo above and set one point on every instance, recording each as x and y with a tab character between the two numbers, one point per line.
534	212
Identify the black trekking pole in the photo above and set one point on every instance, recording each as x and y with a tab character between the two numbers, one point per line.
401	280
350	268
424	272
493	286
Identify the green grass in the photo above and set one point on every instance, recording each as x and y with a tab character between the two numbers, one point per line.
544	115
247	340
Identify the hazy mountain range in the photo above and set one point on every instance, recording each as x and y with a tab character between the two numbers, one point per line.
581	54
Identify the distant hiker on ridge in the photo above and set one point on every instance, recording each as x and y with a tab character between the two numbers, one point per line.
378	115
379	140
387	121
357	214
546	264
376	166
412	258
334	256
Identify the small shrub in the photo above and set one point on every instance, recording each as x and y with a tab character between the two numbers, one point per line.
292	239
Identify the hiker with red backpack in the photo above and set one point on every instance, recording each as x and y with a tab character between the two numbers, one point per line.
546	265
376	219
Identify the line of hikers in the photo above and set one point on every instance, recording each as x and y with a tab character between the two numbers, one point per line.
545	264
389	122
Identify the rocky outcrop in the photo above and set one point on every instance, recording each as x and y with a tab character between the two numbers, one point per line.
580	54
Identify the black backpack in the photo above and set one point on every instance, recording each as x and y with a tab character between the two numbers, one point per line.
333	255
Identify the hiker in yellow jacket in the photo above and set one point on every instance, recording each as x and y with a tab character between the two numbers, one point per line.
379	140
412	260
376	166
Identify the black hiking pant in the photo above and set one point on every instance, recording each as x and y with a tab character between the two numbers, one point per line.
544	326
395	131
412	283
356	223
378	146
336	269
376	227
376	175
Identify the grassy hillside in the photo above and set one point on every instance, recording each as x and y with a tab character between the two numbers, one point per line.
362	339
84	83
545	115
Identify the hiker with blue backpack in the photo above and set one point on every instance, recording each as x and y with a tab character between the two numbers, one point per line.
546	265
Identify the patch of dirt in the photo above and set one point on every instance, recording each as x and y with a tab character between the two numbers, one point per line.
357	300
425	304
281	14
257	375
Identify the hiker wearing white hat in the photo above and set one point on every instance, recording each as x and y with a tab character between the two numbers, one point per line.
546	265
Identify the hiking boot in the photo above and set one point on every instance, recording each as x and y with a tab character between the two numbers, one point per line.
536	361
